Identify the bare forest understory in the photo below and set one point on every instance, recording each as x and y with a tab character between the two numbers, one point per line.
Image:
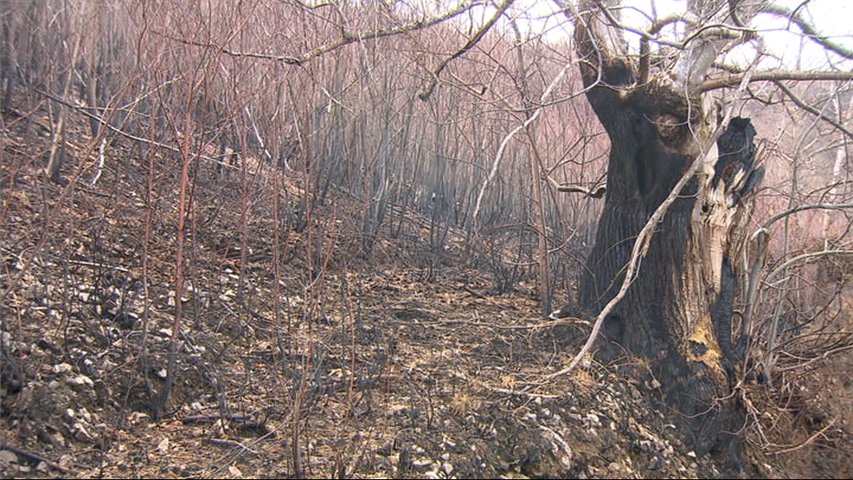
400	363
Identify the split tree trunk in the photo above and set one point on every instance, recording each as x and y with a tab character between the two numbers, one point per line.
678	311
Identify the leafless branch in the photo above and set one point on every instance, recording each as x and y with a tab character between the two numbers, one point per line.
806	362
656	27
790	211
347	38
596	192
808	440
735	79
84	111
468	45
511	134
804	257
800	103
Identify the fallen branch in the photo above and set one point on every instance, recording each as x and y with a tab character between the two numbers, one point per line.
214	418
85	263
474	292
33	456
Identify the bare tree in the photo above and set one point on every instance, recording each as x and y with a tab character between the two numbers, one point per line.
662	272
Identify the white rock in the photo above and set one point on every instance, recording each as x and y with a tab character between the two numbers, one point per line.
136	417
81	433
593	418
85	414
7	458
81	380
66	461
62	368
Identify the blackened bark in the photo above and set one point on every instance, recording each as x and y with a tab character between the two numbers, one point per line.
678	311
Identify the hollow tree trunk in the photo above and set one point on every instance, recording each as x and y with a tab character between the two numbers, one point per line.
678	311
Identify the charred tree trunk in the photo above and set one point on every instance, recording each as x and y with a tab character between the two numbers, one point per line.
677	313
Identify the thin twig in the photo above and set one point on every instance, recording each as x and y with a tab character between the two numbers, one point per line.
800	103
508	137
125	134
820	206
234	444
805	256
468	45
347	38
806	441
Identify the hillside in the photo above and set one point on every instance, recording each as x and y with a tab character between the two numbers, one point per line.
393	369
366	239
388	369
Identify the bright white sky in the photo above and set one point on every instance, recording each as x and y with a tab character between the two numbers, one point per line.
830	17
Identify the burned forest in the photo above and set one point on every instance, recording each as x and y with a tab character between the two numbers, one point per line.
475	239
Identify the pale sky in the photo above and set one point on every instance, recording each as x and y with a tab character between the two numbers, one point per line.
830	17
